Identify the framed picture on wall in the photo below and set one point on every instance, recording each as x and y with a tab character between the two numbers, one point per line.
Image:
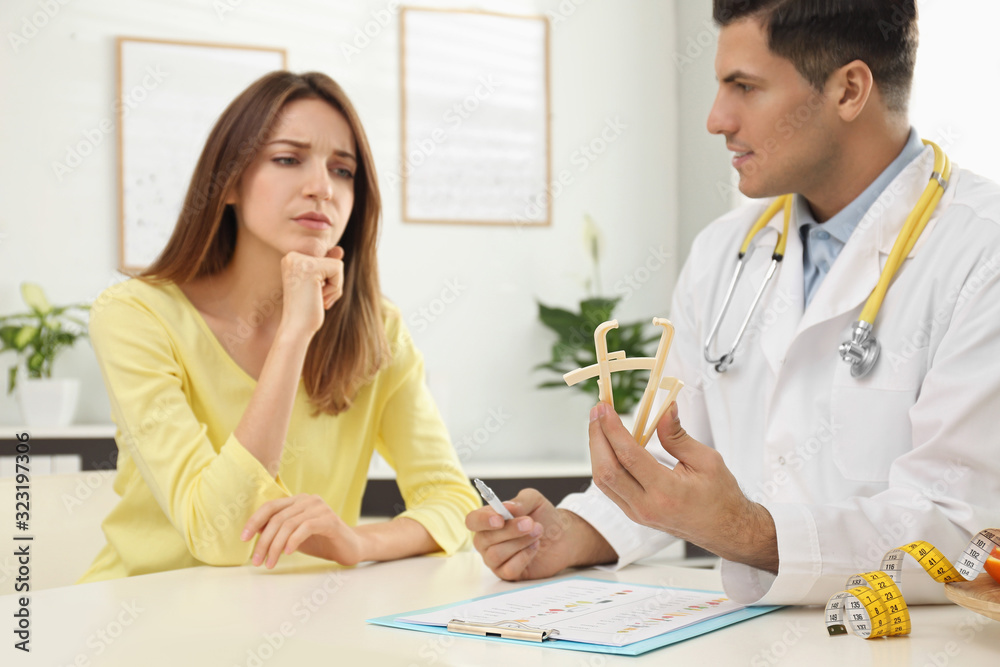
474	92
169	97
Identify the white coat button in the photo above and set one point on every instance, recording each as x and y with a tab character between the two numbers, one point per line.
781	460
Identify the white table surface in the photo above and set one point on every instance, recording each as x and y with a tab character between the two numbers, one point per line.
314	612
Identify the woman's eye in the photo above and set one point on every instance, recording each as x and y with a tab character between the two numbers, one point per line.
744	87
345	173
285	160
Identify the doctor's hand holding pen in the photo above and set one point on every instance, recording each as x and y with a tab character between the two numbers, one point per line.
698	500
540	541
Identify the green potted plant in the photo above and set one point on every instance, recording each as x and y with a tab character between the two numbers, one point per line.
574	344
37	337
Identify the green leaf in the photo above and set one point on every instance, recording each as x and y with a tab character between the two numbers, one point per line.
562	321
11	378
597	310
550	366
35	363
24	336
551	384
34	296
7	336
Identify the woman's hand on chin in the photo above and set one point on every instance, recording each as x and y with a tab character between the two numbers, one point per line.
310	287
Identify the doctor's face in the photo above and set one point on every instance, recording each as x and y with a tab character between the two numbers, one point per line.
777	125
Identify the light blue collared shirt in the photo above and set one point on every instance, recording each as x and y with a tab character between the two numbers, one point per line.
822	242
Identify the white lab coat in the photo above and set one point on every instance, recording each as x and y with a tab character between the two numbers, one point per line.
847	468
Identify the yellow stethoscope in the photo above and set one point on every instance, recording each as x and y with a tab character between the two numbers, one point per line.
863	349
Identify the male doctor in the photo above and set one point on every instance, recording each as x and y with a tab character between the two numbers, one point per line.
792	470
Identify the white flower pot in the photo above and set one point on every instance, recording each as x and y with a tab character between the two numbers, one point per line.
48	402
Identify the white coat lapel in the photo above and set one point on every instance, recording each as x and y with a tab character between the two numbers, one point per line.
781	307
856	271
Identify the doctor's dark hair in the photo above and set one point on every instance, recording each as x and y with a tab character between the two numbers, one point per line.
351	344
820	36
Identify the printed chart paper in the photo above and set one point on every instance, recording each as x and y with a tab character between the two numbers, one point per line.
591	611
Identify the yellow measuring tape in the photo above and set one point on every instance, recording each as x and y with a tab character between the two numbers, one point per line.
872	606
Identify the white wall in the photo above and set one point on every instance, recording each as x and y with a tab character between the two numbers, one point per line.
705	174
610	61
954	102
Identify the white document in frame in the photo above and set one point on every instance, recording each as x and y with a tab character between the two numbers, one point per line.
591	611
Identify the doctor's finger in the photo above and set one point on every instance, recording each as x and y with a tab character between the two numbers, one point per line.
514	567
512	530
676	441
616	458
486	518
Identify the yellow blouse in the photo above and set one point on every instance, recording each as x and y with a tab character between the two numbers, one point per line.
187	485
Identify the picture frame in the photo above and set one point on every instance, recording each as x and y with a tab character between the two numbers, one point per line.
475	118
169	95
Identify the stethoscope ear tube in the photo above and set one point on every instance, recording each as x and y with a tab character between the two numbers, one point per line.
784	202
722	363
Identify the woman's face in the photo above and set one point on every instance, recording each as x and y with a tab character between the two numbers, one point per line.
298	192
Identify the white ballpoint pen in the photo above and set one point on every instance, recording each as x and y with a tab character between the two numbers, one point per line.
492	500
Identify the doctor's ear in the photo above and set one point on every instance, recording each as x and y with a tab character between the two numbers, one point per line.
851	86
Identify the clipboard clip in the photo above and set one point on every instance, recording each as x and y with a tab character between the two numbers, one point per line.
505	629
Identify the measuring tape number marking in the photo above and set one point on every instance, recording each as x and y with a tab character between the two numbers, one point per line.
873	606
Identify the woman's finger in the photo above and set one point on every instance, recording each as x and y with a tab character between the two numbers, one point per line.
302	532
269	531
260	518
281	539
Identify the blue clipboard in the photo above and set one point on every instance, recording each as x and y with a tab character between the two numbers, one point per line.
638	648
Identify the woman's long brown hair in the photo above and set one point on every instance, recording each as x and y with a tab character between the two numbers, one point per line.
350	346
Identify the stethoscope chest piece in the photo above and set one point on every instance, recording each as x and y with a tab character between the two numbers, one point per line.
861	352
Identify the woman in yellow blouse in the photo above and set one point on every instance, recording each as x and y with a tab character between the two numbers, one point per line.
255	367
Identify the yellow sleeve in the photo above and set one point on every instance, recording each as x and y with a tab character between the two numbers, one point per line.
195	486
415	443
